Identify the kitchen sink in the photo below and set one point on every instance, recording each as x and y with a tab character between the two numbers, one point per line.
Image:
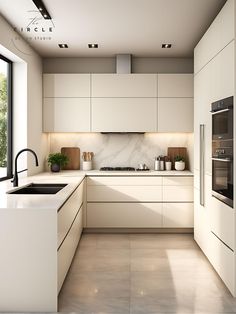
39	188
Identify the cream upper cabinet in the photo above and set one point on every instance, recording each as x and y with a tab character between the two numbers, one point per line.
66	115
175	85
66	85
222	73
175	115
175	103
124	114
219	34
124	85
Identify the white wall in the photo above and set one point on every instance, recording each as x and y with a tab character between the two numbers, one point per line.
27	83
123	149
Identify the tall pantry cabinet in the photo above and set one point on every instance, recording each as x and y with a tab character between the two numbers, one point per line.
214	79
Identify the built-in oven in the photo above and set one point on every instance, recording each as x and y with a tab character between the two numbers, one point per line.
222	119
222	150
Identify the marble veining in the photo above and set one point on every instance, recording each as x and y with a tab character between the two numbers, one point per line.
123	149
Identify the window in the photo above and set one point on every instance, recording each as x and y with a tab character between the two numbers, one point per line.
5	118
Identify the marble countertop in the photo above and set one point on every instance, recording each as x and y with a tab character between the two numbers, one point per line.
72	173
71	177
39	201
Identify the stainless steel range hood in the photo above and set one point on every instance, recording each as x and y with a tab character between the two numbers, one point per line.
123	64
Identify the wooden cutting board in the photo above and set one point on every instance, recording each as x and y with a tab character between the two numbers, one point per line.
73	153
172	152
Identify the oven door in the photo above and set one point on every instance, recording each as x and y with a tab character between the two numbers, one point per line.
222	124
222	180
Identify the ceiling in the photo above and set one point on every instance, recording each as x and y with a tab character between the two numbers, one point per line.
136	27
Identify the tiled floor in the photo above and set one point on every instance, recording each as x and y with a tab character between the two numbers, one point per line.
142	274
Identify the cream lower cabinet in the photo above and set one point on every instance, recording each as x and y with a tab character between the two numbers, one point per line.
177	202
124	215
139	202
70	226
124	114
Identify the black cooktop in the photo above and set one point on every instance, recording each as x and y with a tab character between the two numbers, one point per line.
117	169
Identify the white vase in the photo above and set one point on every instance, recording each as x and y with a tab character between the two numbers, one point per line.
168	165
179	165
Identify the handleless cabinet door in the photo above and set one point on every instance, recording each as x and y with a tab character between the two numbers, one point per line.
175	115
175	85
124	215
66	85
66	115
218	35
124	85
178	215
124	114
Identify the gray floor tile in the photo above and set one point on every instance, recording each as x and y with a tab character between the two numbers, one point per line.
149	273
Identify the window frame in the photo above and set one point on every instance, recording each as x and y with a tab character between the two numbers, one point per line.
9	120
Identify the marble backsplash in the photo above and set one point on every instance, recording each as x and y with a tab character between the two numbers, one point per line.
123	149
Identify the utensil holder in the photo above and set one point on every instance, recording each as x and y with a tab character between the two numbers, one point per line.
87	165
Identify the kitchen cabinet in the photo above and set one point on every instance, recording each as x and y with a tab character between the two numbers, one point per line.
175	115
175	103
175	85
222	73
177	189
214	79
66	102
70	226
67	213
124	215
66	85
218	35
118	103
177	215
68	248
124	114
39	237
124	85
124	102
66	115
202	106
139	202
202	216
221	221
223	260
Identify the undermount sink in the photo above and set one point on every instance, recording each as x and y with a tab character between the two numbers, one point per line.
39	188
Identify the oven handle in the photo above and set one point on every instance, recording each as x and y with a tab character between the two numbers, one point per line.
220	111
202	164
222	159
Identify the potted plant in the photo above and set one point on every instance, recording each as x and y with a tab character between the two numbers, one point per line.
56	161
179	163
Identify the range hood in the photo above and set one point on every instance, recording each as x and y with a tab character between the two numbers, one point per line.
123	64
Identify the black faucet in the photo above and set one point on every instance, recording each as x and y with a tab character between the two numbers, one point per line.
15	178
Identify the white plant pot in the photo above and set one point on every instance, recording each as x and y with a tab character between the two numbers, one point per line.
179	165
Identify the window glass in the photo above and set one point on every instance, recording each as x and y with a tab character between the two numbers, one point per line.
5	119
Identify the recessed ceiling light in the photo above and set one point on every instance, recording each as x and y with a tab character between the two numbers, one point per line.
166	45
93	45
42	9
63	45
